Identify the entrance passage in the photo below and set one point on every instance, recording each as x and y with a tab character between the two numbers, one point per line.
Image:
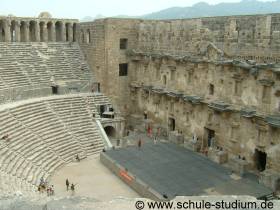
102	109
278	185
110	131
55	90
171	124
98	88
145	116
210	135
260	158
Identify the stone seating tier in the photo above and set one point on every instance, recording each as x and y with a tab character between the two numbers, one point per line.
33	67
43	135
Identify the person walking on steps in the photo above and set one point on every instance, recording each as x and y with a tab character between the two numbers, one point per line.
78	158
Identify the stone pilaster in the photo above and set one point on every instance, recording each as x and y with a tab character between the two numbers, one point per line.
26	32
7	29
70	32
37	32
17	31
63	32
44	32
53	35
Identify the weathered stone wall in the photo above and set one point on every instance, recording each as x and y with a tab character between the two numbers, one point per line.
219	74
104	55
247	37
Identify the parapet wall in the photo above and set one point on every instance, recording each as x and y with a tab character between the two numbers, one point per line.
250	37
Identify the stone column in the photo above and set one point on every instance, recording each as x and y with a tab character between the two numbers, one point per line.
70	32
1	27
7	29
26	31
63	32
44	32
53	34
37	32
17	31
75	33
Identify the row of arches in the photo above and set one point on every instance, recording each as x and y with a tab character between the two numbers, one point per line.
37	31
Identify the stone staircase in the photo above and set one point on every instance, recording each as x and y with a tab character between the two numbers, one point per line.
44	134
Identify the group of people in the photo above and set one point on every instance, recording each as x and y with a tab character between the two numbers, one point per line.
72	187
149	134
44	186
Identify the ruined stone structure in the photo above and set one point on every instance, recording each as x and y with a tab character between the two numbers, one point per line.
211	84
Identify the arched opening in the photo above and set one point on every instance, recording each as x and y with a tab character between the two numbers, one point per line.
23	28
74	32
67	32
102	109
55	89
160	38
13	31
2	31
32	31
171	124
49	31
110	131
260	160
164	80
82	36
277	189
42	24
58	31
209	136
88	36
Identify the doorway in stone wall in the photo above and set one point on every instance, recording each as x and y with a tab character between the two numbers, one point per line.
260	160
164	80
210	135
145	115
171	124
102	109
277	189
54	90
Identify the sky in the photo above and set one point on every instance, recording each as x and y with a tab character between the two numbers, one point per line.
81	8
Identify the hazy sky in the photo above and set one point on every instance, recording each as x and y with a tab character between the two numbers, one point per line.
82	8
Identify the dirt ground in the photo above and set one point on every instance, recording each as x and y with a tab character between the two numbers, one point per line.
92	179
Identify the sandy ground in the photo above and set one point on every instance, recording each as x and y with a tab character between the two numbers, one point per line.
93	180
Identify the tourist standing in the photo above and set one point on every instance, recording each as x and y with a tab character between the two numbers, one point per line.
67	184
52	190
155	139
73	189
150	131
139	144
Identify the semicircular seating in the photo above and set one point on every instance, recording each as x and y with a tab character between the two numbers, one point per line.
43	135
